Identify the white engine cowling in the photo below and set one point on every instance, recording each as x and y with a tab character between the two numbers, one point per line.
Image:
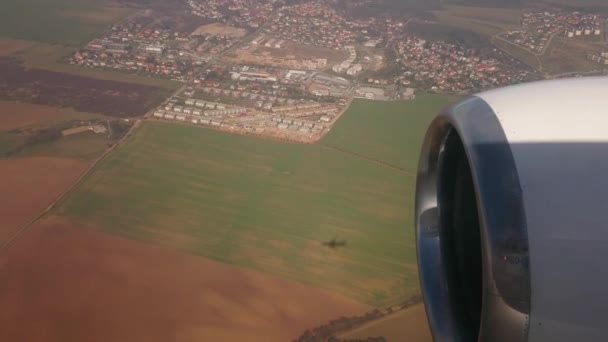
512	215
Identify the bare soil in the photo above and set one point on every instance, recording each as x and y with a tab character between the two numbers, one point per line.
15	114
60	282
29	185
9	46
406	325
217	29
70	91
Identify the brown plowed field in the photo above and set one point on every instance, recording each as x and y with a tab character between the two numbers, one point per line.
15	114
406	325
29	185
81	93
9	46
60	282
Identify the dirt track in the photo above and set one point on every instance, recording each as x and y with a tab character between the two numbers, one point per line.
63	283
29	185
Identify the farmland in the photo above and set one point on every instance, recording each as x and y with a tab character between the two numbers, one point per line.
66	22
81	93
569	55
9	46
517	52
486	21
258	204
406	325
29	185
388	132
38	170
16	115
65	283
50	57
264	205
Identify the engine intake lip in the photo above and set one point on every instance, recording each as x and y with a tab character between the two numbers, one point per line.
505	307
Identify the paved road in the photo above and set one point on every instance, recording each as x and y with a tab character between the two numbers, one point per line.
177	92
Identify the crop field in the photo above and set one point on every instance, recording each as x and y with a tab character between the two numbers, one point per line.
258	204
517	52
387	132
62	282
580	4
569	55
216	29
266	205
9	46
17	114
49	57
81	93
37	172
487	21
66	22
406	325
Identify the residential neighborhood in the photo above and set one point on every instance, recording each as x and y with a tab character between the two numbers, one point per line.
289	70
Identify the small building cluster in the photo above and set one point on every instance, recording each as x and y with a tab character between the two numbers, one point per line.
445	67
538	27
600	58
348	65
317	23
327	85
240	13
140	44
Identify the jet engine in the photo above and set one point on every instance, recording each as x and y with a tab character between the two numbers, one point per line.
512	215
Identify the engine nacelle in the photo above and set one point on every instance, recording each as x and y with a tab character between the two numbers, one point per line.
512	215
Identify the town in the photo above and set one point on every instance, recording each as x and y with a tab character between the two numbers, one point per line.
290	71
539	27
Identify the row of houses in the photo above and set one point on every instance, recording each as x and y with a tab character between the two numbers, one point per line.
246	95
299	127
178	110
298	123
327	110
181	117
204	104
299	106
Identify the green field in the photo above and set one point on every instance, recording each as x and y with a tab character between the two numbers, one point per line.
486	21
389	132
66	22
269	206
84	146
406	325
570	55
49	57
519	53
